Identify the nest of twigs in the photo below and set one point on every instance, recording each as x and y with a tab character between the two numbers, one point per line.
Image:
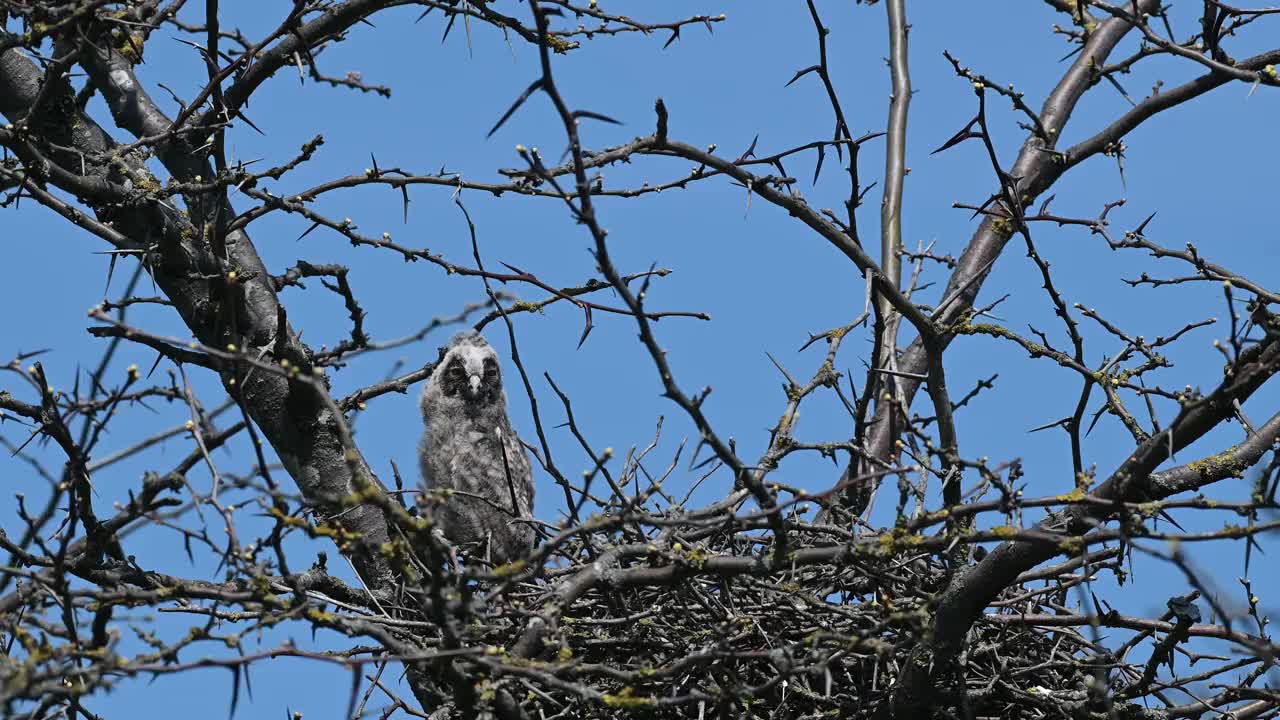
661	627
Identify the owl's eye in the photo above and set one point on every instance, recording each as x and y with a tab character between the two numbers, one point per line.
456	369
490	368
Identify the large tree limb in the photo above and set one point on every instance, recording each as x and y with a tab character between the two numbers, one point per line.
972	589
1034	170
219	308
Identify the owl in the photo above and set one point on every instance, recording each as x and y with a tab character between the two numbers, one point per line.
469	446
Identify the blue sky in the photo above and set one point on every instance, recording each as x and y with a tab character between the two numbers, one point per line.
1207	168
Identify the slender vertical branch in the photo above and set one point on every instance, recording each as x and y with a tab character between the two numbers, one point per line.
885	387
895	168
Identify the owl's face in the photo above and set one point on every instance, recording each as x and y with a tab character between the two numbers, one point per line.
471	372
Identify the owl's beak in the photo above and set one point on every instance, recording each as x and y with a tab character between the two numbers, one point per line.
473	384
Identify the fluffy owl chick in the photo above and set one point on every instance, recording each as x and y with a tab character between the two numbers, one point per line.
469	446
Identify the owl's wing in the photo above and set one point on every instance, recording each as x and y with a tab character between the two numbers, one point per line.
516	466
